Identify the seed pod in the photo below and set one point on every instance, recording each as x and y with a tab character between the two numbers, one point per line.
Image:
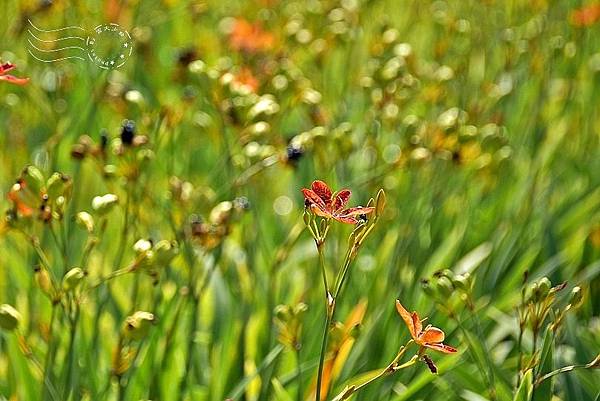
103	204
43	280
428	288
283	313
73	278
380	203
34	179
136	326
9	317
85	221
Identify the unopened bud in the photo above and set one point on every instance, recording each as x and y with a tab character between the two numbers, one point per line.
103	204
9	317
444	286
165	251
43	280
462	281
138	325
380	203
55	186
576	297
72	278
544	286
283	313
34	179
221	213
85	221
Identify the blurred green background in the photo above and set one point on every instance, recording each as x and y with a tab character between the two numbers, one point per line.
478	118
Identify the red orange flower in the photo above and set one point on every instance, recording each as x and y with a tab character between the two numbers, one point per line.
250	38
586	16
6	67
430	337
323	202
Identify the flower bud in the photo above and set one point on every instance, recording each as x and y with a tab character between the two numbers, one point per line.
380	203
103	204
462	281
283	313
221	213
9	317
85	221
576	297
34	179
444	287
142	246
72	278
300	308
136	326
427	288
165	251
55	186
544	286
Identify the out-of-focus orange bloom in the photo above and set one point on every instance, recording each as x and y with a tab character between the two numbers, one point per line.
430	337
248	37
324	203
587	15
15	195
245	78
6	67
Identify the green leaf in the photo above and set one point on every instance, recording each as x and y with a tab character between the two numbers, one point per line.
544	391
524	391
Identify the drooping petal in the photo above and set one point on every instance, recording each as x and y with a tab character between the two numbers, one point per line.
408	318
322	190
357	211
432	335
441	348
345	219
341	199
14	80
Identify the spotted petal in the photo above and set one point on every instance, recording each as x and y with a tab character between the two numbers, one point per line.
14	80
411	319
341	199
322	190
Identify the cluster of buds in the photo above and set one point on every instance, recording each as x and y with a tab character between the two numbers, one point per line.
449	289
539	300
211	232
128	148
288	320
33	194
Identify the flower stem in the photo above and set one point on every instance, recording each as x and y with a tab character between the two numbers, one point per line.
322	357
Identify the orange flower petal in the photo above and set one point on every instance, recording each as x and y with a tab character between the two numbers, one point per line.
313	198
345	219
442	348
408	319
432	335
14	80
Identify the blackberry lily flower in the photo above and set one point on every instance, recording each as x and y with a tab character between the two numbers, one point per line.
324	203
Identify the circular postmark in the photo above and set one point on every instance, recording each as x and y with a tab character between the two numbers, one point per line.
109	46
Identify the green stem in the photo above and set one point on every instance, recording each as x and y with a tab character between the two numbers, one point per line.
322	356
299	395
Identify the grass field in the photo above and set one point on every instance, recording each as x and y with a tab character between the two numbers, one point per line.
156	243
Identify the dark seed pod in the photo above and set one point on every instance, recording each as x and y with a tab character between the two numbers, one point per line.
128	132
429	362
294	153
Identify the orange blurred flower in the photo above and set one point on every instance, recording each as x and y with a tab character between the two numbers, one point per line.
586	16
245	78
324	203
431	337
16	196
6	67
248	37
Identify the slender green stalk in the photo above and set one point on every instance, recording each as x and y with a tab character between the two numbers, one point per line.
322	357
299	393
